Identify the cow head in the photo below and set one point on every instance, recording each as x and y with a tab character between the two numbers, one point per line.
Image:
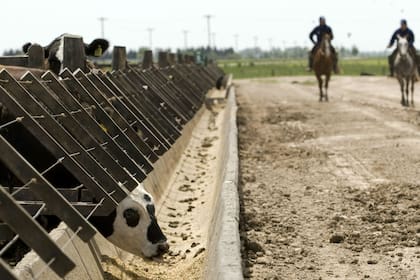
53	53
133	226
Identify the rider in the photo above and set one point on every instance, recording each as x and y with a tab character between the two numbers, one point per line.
403	31
319	32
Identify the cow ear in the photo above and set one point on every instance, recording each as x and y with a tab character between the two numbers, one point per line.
25	47
97	47
132	217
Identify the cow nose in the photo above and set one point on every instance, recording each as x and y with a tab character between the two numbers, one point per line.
163	248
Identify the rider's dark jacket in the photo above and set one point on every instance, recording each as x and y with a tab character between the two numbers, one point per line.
403	33
319	31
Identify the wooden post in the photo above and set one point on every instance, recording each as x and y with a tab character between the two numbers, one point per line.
171	59
181	59
193	59
74	56
163	59
36	56
119	58
147	60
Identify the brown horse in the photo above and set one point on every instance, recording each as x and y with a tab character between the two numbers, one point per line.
323	65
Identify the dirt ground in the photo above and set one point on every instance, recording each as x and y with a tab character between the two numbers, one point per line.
328	190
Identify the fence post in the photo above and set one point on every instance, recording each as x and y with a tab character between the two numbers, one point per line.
119	58
181	59
147	60
163	59
74	56
171	59
36	56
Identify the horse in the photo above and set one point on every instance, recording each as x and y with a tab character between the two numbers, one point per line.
323	65
405	68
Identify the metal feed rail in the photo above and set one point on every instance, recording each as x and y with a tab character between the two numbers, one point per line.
105	129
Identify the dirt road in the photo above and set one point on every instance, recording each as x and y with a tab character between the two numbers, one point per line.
329	190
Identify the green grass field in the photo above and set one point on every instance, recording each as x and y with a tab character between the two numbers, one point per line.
243	69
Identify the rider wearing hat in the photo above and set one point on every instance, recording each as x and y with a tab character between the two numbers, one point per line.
403	31
319	32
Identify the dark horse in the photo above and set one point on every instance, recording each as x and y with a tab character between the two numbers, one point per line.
405	71
323	65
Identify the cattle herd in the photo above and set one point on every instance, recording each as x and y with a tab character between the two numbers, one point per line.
91	137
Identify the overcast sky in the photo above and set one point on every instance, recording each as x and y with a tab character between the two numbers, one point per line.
368	24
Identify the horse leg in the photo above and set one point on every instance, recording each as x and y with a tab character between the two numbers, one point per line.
412	92
327	79
320	87
407	92
401	81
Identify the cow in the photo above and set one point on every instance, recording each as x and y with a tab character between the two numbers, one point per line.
131	226
53	53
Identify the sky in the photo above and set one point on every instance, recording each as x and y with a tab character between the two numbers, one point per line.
367	24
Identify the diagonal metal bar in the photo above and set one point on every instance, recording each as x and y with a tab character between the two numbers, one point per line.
81	133
156	114
148	121
33	235
136	119
116	116
77	88
101	184
96	131
43	190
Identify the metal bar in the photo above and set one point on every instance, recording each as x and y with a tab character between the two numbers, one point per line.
36	89
167	85
99	185
43	190
138	122
172	109
182	80
84	208
24	193
116	116
94	129
155	114
76	88
148	121
34	235
158	89
14	60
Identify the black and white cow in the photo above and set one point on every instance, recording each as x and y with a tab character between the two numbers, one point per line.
53	53
132	226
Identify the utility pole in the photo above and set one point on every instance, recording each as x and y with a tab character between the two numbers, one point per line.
208	17
270	43
102	21
236	36
150	30
185	38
